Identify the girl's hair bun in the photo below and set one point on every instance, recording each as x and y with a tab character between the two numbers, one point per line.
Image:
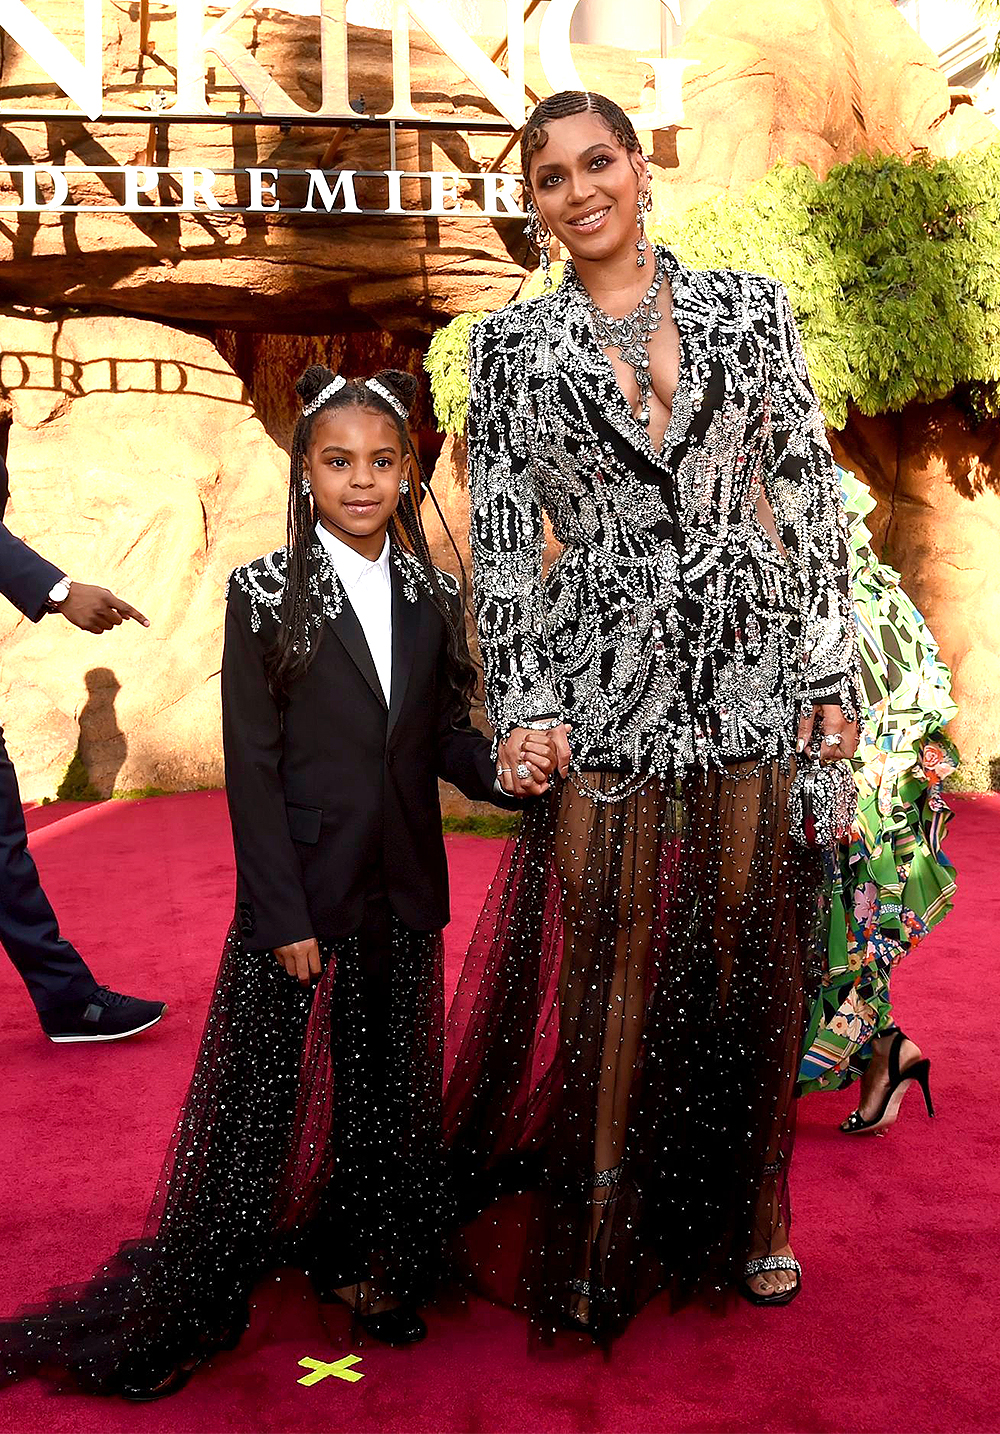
312	382
403	385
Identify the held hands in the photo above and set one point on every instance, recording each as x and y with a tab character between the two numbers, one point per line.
833	725
537	754
301	960
96	609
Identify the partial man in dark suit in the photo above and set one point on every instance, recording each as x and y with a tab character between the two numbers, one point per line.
70	1004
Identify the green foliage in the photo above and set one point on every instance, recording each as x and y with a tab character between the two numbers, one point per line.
447	362
76	785
892	267
981	774
494	825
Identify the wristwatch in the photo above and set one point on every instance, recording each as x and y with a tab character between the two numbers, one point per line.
58	595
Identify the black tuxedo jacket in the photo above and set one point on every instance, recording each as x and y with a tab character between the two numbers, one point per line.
335	797
25	578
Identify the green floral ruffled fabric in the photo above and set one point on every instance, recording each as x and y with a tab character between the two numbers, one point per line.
893	883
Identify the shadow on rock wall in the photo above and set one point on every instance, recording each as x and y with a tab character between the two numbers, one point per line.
103	747
137	461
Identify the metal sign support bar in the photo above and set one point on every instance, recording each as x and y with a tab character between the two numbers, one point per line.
285	122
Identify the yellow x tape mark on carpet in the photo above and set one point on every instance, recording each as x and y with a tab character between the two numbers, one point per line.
340	1369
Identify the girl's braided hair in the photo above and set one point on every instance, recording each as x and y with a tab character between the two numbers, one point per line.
298	635
563	103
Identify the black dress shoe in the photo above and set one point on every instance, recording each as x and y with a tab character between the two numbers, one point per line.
398	1326
142	1383
103	1016
395	1327
142	1380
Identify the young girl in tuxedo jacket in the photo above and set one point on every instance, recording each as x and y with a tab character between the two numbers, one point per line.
311	1134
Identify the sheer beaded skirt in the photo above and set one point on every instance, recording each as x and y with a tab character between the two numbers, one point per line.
310	1136
624	1044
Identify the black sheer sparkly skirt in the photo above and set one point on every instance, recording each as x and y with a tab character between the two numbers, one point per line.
310	1136
623	1046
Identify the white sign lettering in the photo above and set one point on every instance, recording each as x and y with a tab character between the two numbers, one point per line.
145	189
29	180
560	70
503	90
344	185
83	83
263	181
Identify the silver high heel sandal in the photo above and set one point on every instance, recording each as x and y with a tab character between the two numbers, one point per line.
761	1266
762	1263
586	1289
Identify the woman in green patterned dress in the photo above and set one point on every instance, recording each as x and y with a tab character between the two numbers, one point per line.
894	882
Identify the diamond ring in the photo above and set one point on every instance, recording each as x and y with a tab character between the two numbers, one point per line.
523	771
833	739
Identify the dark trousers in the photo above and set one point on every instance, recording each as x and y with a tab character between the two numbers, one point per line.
53	971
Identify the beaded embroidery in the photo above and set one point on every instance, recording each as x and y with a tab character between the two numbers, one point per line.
672	630
263	582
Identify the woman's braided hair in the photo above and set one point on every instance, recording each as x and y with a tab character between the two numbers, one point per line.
298	634
563	103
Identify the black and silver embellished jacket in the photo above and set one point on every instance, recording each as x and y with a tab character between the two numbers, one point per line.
671	630
263	582
333	791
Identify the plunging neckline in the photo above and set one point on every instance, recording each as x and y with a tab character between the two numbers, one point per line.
670	438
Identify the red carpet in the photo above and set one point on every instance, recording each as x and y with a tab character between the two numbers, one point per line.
898	1325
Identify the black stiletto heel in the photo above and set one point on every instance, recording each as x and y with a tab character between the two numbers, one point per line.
899	1084
142	1381
395	1327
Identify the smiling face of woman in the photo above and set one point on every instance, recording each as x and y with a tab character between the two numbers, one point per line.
585	185
354	463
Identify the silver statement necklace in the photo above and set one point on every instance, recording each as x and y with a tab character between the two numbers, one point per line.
631	336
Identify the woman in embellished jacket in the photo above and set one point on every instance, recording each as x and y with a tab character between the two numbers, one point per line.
627	1032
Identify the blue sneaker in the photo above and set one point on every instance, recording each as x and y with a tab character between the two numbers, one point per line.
102	1016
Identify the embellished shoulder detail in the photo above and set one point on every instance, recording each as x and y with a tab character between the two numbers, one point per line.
450	584
416	579
730	300
725	281
263	584
521	325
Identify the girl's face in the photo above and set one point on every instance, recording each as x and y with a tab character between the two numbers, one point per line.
354	463
586	186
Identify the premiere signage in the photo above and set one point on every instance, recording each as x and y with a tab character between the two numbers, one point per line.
136	189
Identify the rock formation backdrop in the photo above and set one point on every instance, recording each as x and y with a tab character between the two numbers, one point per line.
146	363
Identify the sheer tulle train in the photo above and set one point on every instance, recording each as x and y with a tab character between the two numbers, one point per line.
624	1044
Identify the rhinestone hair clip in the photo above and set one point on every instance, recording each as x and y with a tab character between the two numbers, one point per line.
389	398
323	395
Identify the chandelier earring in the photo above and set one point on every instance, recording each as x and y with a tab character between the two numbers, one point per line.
643	205
539	239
